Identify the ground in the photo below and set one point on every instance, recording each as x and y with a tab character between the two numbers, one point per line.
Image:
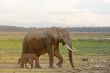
93	64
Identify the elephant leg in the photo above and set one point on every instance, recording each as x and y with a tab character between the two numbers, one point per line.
51	56
21	65
26	66
37	65
58	55
31	65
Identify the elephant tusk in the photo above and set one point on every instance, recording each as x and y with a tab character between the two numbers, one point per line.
69	47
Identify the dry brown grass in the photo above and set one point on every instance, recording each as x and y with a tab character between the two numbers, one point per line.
95	64
12	34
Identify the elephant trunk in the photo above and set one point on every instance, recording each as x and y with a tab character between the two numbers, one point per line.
70	58
70	54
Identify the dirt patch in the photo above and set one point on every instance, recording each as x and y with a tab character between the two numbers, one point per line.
92	64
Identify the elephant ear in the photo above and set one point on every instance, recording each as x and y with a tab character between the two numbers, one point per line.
53	33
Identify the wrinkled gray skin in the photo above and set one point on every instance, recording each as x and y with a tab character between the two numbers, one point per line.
41	41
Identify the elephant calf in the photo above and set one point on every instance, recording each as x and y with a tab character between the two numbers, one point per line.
27	59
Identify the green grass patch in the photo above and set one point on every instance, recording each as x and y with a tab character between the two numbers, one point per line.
85	46
10	45
90	46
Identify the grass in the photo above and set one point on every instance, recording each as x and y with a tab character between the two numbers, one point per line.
92	35
84	46
92	46
10	45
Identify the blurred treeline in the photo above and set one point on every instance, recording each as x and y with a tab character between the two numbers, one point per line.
72	29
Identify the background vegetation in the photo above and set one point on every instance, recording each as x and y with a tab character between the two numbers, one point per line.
85	43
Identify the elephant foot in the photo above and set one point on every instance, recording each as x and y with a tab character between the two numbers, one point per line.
59	65
73	66
22	66
51	68
39	67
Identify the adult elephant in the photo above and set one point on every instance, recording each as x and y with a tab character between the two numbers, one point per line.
41	41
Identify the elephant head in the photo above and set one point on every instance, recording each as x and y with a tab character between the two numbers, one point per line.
61	35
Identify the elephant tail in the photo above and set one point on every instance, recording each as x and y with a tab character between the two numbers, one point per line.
25	47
